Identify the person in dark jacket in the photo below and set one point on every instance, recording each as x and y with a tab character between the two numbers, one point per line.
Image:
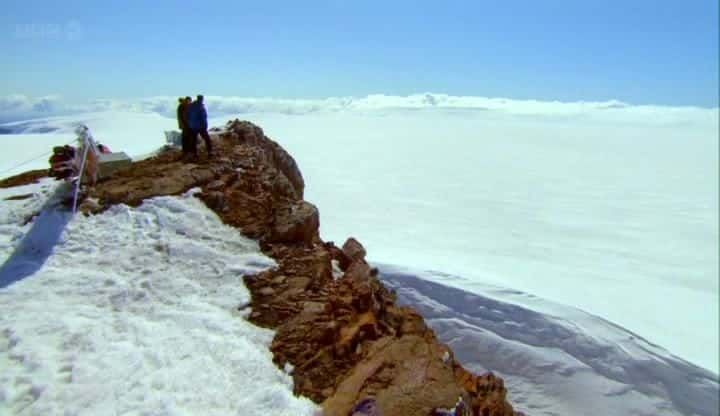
197	120
182	118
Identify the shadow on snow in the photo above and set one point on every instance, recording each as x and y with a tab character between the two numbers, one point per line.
37	245
468	320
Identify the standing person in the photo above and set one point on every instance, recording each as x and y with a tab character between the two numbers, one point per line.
188	137
182	122
197	120
182	118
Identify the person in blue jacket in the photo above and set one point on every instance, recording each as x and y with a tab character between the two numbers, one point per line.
197	121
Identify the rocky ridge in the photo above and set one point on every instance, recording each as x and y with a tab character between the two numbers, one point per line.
340	332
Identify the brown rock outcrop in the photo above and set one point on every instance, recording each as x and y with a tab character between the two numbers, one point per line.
25	178
344	335
244	132
348	340
294	222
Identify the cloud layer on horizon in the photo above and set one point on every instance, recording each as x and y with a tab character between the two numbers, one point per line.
20	107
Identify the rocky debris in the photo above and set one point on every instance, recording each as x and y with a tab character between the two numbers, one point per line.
338	327
347	340
25	178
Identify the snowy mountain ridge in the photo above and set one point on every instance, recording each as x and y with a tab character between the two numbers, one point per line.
498	331
350	320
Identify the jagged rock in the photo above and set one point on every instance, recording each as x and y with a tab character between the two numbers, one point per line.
412	323
248	133
353	249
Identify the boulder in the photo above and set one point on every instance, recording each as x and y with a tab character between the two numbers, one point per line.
353	249
405	375
295	223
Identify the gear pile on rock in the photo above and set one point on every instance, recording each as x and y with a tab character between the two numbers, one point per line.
340	332
62	162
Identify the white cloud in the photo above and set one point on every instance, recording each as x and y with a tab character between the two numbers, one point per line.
21	104
17	107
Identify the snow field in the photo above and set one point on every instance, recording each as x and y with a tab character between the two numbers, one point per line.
134	312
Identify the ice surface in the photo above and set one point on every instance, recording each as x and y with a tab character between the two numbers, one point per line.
618	219
134	312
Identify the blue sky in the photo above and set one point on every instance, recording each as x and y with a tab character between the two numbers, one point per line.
638	51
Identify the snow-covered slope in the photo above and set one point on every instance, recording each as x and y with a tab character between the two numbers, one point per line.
131	312
555	360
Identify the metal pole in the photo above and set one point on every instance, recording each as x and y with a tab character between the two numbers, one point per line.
82	168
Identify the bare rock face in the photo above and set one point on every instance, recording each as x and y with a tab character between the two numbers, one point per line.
349	341
406	376
245	132
162	175
339	327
